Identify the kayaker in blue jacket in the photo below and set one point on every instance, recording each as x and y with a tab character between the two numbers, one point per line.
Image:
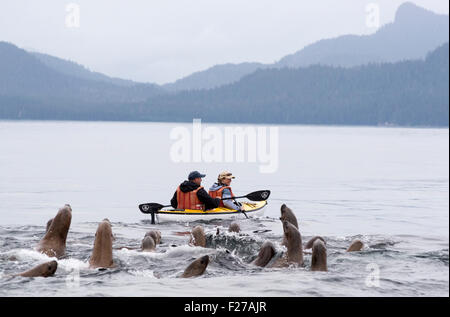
222	189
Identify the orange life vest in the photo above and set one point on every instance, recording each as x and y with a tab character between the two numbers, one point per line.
189	200
218	194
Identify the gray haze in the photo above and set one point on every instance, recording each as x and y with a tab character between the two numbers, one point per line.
161	41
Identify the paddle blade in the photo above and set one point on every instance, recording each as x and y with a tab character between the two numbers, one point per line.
150	207
259	195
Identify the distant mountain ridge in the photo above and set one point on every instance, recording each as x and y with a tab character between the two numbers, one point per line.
79	71
414	32
410	93
23	74
213	77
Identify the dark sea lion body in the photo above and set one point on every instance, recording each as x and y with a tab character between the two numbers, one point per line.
148	244
319	256
294	254
287	215
196	268
293	240
356	245
198	237
53	243
311	241
42	270
265	255
102	253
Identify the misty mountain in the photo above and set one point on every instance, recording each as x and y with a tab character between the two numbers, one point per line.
213	77
411	93
404	93
24	75
76	70
414	32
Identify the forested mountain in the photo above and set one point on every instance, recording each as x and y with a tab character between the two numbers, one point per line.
79	71
213	77
26	81
414	32
405	93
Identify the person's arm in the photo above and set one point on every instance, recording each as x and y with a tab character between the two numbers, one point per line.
174	201
229	203
209	202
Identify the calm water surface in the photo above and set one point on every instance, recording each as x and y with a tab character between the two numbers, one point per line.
386	186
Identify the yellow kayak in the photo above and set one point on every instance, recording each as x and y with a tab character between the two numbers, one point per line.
251	209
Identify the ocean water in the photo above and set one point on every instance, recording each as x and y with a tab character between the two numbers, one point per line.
388	187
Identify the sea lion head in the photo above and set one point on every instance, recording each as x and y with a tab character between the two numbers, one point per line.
50	268
288	215
102	252
319	256
356	245
44	270
311	241
54	241
293	240
234	227
155	234
196	268
266	253
59	226
148	244
198	237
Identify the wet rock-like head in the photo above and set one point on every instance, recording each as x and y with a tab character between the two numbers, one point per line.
54	241
45	270
288	215
198	237
155	234
293	241
50	268
319	256
59	226
196	268
311	241
102	252
266	253
148	244
356	245
234	227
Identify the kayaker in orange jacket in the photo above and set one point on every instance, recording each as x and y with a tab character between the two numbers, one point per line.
191	195
222	189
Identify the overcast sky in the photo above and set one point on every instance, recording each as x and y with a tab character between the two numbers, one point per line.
163	40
